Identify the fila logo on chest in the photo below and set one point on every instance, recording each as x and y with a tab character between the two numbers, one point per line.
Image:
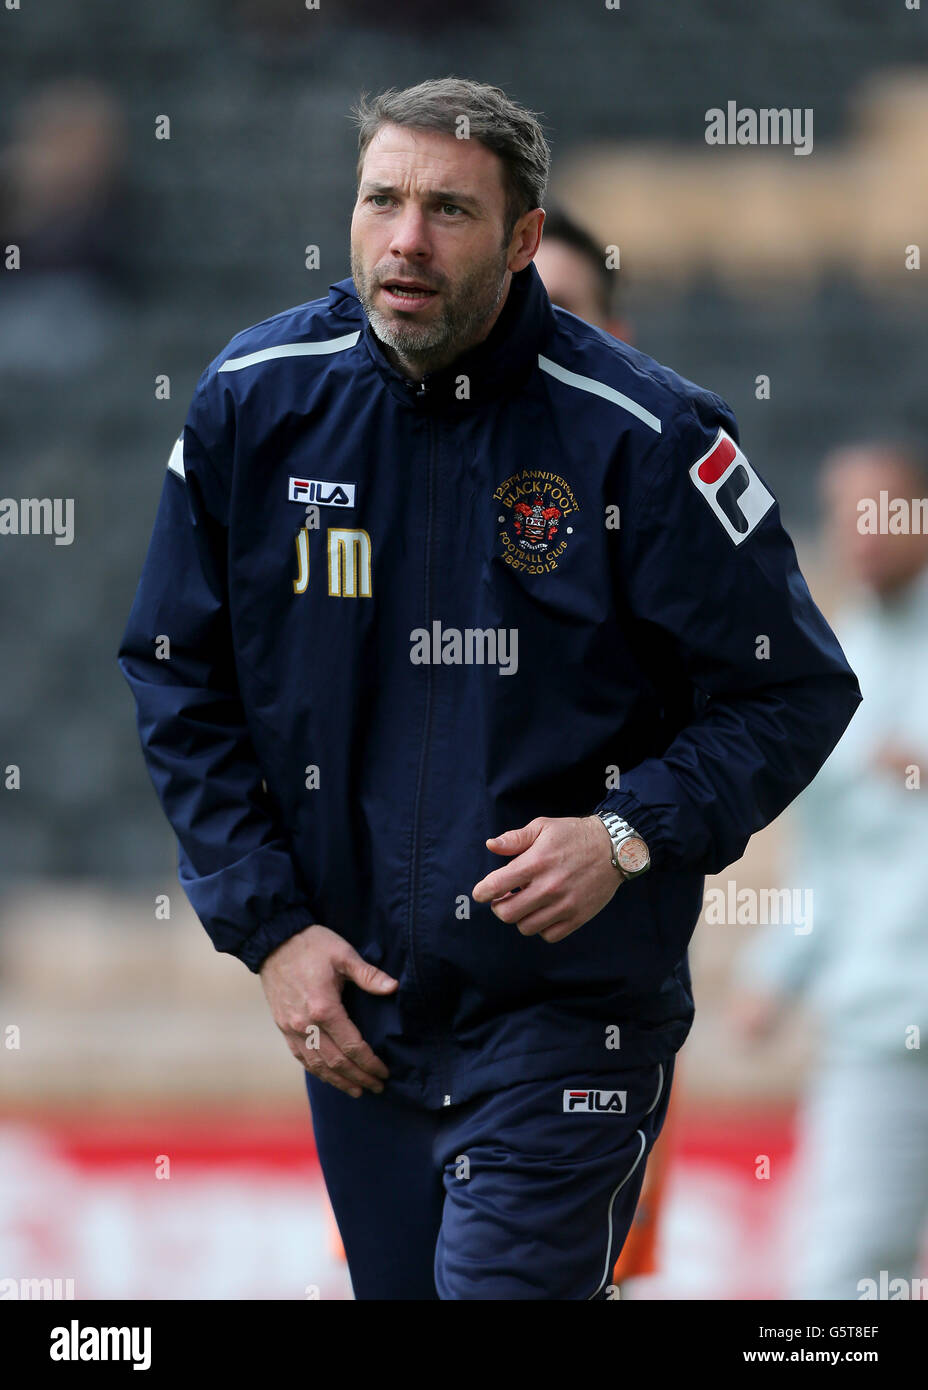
321	493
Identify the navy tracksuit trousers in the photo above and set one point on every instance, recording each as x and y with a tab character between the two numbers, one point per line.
523	1193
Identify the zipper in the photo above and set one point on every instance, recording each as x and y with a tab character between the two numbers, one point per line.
414	866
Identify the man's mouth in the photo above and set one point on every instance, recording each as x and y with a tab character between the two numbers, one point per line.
407	294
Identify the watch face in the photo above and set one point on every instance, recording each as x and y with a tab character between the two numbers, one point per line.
633	855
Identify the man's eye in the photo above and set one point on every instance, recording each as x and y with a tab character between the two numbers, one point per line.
379	199
452	206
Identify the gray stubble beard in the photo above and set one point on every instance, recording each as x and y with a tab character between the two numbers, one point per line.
458	327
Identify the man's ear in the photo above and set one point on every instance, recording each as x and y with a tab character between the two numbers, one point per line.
526	239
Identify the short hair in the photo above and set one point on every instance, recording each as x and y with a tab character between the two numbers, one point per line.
502	125
560	226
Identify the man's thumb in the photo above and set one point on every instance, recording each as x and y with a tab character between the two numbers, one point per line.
513	841
367	976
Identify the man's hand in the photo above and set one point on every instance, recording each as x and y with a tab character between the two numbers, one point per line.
303	980
563	870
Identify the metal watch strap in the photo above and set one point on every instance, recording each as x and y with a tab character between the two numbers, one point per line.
619	831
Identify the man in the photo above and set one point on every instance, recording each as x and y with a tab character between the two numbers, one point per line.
511	608
862	971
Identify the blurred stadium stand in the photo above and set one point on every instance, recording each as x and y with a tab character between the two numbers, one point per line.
259	165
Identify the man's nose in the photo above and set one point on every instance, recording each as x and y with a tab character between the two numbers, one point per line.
410	234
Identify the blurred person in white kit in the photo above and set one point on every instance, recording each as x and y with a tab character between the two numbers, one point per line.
861	845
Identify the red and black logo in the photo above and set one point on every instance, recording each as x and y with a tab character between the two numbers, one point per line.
731	487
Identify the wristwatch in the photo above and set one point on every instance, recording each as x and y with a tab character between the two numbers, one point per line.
629	851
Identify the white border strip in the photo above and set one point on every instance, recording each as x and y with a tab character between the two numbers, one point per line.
660	1087
235	364
615	1194
596	388
176	460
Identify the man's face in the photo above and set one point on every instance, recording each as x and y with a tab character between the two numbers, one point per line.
427	253
572	284
570	280
884	562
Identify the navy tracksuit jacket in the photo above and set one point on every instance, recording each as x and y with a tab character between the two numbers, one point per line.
404	617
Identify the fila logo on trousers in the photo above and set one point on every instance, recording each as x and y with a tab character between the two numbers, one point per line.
595	1101
731	487
321	493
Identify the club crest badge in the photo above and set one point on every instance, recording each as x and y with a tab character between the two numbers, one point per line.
534	519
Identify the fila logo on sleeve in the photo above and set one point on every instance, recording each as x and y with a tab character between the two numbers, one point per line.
595	1101
731	487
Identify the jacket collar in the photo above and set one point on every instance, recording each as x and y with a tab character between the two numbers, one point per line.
493	368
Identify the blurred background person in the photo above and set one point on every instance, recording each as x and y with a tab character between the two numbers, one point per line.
573	267
63	206
861	845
